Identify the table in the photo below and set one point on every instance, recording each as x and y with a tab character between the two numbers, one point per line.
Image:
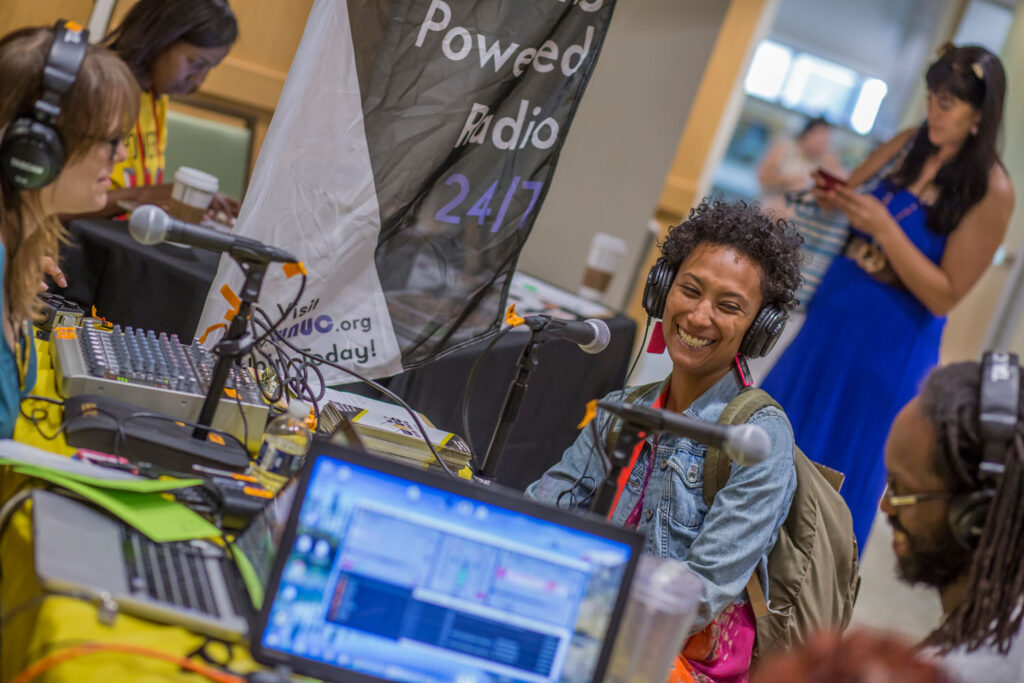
129	284
559	388
36	625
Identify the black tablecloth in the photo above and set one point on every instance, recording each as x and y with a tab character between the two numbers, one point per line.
159	287
564	380
163	288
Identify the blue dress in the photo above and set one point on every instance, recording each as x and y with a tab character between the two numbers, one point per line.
859	358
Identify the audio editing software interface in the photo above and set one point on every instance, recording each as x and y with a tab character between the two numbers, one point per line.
408	582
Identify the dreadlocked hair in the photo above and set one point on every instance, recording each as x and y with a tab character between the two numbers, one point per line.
991	609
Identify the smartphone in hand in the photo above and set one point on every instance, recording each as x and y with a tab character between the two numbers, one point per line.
829	181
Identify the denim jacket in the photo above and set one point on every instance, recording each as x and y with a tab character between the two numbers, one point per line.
723	545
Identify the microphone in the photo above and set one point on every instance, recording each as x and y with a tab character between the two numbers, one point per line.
150	224
592	335
745	444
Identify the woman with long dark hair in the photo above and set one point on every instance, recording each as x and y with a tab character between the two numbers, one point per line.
919	241
170	46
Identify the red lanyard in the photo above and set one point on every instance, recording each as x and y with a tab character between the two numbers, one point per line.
624	475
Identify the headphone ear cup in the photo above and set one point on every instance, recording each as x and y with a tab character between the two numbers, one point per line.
31	154
764	332
659	282
967	516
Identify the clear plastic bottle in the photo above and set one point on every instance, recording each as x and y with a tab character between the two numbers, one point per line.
286	441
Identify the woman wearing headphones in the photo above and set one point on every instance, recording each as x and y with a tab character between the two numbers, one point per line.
170	46
919	241
60	142
725	271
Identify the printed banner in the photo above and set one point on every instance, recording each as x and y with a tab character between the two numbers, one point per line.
407	160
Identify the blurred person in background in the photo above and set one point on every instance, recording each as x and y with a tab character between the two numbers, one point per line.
170	46
790	163
788	167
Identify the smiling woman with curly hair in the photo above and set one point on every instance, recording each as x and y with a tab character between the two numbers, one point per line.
722	267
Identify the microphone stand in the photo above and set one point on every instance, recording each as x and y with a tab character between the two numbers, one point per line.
513	401
629	437
236	341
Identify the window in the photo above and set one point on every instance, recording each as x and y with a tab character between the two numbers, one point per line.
768	70
814	86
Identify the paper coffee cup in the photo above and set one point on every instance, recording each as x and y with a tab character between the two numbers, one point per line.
192	193
606	252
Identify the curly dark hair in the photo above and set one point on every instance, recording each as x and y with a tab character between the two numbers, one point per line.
773	244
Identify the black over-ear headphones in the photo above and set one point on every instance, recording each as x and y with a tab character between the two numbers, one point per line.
998	398
32	151
761	335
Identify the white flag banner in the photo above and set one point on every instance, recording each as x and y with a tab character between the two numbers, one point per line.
410	152
312	192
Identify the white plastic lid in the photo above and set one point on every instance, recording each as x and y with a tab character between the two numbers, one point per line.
610	242
193	177
298	410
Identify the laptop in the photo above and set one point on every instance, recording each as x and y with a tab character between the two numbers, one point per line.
386	572
199	585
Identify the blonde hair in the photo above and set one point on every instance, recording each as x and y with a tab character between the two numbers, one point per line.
103	90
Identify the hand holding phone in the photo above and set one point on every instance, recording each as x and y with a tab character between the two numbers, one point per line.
828	181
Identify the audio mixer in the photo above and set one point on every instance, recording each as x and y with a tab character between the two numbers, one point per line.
154	372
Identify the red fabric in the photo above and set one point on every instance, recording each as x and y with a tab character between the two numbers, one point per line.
620	485
657	343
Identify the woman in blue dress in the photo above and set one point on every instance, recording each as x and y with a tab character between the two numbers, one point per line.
91	118
919	241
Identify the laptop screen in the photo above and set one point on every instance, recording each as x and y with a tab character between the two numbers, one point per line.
401	580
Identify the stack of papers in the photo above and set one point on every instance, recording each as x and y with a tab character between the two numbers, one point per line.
137	501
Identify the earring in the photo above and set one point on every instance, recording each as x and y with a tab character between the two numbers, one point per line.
974	129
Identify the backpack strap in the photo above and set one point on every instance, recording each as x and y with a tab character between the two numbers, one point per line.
756	596
634	394
739	411
717	468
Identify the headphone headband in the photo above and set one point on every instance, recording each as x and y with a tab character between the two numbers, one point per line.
64	61
998	399
998	406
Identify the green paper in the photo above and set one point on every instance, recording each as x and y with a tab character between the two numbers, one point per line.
150	512
250	578
137	484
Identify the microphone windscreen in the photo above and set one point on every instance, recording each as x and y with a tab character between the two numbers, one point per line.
149	224
747	444
602	336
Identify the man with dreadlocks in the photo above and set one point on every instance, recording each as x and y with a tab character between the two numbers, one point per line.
955	499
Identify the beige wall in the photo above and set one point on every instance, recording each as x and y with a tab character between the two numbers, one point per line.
16	14
624	137
970	320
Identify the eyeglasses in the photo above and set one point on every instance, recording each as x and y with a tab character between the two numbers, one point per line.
114	142
912	498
